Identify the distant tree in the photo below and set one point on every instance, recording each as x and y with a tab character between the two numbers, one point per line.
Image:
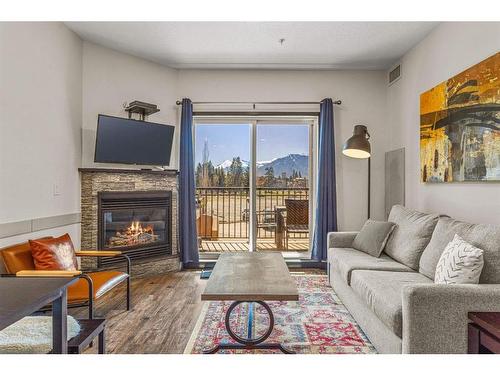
207	167
198	174
269	176
204	174
245	178
218	177
207	175
234	175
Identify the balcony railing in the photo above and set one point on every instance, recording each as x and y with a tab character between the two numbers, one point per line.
224	212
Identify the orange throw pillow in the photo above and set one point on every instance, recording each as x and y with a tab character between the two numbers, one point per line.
54	254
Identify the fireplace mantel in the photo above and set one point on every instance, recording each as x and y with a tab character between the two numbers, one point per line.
167	172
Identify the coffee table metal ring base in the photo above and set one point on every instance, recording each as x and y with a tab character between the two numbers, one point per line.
249	342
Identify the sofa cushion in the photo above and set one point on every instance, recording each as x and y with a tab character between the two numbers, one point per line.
102	282
346	260
411	235
382	292
484	236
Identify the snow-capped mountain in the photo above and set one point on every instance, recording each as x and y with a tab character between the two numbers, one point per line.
227	163
264	163
287	164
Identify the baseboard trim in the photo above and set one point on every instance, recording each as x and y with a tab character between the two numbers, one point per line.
38	224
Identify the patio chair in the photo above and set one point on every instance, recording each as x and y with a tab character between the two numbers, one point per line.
266	219
297	218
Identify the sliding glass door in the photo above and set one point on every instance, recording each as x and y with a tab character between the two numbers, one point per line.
222	159
282	186
253	182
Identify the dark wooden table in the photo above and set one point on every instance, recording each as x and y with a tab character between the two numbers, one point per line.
484	332
22	296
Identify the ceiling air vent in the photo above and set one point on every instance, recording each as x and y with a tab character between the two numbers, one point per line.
394	74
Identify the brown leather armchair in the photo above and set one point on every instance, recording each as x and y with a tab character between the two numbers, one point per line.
90	286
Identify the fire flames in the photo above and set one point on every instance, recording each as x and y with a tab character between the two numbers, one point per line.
136	228
134	234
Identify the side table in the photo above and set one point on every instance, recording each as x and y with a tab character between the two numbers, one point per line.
484	333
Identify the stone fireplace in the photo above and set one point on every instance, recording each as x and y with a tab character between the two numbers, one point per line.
134	211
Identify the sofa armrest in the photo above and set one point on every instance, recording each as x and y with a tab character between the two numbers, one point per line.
47	273
341	239
435	315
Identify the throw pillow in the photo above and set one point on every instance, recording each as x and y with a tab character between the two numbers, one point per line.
373	237
54	253
411	235
460	263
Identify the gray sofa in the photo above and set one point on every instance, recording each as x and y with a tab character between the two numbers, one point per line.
394	299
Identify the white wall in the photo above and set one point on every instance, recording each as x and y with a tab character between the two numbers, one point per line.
363	96
446	51
40	122
57	85
110	79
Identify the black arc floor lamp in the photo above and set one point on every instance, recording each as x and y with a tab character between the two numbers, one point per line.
358	147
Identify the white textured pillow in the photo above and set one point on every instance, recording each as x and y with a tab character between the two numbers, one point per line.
460	263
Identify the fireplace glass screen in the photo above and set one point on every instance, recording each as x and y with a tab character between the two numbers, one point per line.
134	227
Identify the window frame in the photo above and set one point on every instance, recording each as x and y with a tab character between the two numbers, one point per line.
308	119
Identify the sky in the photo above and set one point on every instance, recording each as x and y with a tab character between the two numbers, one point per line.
231	140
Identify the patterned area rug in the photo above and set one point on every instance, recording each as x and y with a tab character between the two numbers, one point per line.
318	323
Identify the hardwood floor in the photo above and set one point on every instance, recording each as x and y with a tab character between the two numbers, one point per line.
164	312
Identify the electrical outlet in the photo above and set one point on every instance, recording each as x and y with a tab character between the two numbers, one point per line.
57	190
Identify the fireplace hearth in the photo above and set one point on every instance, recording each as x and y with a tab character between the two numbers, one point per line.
138	223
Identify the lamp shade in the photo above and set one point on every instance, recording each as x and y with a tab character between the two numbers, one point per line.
358	146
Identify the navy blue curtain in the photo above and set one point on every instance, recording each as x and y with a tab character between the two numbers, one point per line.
326	195
188	244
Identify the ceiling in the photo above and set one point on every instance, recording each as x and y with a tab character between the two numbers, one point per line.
256	45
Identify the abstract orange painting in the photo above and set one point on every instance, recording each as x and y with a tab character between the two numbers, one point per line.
460	126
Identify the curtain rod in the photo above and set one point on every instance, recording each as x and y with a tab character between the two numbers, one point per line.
338	102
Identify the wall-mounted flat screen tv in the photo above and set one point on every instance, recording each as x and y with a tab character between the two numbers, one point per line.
128	141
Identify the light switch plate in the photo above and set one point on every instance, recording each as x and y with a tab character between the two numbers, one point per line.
57	190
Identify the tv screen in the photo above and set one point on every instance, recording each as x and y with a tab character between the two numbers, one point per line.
128	141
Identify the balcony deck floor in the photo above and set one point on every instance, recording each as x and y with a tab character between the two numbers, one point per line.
237	245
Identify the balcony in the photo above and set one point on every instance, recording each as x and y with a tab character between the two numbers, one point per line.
223	219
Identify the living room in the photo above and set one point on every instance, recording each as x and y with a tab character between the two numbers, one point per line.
249	187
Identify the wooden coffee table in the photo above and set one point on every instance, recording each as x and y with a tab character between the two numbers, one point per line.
253	278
